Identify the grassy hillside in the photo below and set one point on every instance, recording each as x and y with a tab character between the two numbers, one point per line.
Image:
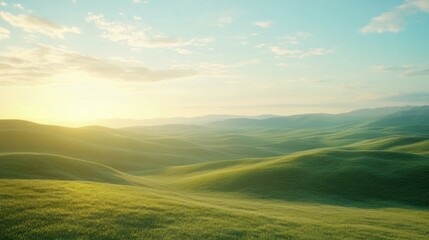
138	150
55	167
411	144
337	175
33	209
110	147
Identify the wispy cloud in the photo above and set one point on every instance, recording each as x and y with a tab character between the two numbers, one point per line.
218	69
3	4
245	39
296	38
225	20
4	33
286	47
263	24
42	63
140	37
33	24
394	20
282	64
296	53
403	70
183	51
417	97
18	5
140	1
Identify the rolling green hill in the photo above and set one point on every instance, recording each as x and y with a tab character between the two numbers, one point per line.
55	167
339	175
412	144
113	148
359	175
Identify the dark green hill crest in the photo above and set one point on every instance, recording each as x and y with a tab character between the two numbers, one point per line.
348	175
55	167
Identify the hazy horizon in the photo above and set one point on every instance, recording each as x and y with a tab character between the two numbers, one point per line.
105	121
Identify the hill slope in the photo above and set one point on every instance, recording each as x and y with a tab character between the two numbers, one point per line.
55	167
410	144
347	175
114	148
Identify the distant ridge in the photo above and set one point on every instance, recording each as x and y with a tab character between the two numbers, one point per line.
383	116
321	118
121	123
377	112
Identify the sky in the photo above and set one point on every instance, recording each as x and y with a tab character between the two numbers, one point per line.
71	61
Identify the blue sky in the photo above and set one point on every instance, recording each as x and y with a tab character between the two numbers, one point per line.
70	61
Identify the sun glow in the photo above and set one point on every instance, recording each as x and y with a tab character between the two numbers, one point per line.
74	98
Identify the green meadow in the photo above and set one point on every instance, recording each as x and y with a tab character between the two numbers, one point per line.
358	175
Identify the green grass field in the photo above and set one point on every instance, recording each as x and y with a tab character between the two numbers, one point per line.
37	209
326	177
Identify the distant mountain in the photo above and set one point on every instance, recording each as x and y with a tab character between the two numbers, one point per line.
378	116
295	121
376	112
415	116
268	120
122	123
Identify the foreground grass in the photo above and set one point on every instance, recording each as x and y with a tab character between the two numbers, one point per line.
47	209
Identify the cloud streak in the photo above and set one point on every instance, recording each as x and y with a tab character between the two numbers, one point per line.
33	24
263	24
225	20
218	70
139	37
4	33
410	70
43	63
296	38
296	53
18	6
394	21
418	97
